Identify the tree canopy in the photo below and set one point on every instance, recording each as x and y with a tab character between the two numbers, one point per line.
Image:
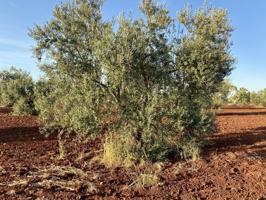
145	80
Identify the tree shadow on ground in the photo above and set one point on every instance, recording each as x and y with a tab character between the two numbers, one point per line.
241	113
5	110
252	141
19	134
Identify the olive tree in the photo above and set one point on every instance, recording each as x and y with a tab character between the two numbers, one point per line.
258	98
262	97
225	93
16	91
242	96
145	83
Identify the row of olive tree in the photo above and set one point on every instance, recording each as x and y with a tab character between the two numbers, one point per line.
245	97
230	94
146	83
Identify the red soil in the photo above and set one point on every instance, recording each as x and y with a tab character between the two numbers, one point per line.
232	166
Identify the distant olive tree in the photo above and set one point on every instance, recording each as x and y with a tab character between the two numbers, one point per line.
242	96
262	97
255	98
230	94
258	98
16	91
225	93
146	83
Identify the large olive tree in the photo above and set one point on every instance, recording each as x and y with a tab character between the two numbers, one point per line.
148	84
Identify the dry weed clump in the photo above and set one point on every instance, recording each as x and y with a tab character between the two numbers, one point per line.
146	175
65	178
146	180
122	153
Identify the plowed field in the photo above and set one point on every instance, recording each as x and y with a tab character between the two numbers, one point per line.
232	166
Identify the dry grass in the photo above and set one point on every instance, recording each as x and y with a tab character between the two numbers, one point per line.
65	178
190	150
145	180
119	150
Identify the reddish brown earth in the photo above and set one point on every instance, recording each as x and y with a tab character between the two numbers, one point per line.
232	166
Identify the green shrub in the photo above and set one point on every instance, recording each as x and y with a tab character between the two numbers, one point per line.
144	80
16	91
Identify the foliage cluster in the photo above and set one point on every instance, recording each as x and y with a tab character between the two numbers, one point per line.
17	91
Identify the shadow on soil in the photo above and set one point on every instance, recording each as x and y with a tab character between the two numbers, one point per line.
5	110
249	141
18	134
241	113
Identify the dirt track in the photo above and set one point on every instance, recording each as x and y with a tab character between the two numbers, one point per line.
233	166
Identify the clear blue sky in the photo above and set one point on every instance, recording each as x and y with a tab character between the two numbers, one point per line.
247	17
